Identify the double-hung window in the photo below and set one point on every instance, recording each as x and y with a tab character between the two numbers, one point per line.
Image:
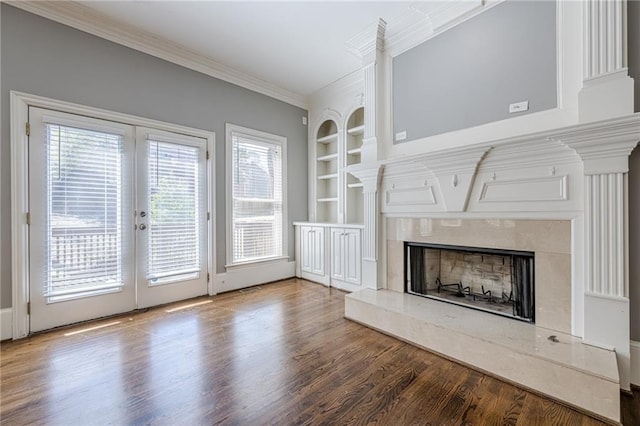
256	195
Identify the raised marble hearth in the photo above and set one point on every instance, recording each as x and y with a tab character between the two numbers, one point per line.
568	370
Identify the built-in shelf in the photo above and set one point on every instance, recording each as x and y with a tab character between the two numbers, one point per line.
329	176
327	200
358	130
354	138
328	139
328	157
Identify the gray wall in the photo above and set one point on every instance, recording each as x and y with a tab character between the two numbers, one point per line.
469	75
45	58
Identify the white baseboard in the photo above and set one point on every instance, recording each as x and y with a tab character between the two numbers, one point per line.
237	278
6	324
635	363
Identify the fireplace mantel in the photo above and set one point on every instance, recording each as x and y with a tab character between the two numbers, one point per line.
575	174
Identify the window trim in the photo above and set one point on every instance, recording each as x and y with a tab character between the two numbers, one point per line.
230	131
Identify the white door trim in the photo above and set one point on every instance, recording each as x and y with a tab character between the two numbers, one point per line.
19	111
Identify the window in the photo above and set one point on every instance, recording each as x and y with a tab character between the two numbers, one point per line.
256	195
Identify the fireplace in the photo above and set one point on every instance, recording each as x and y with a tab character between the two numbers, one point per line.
487	279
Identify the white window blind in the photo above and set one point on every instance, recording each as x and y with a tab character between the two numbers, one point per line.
84	212
257	199
174	219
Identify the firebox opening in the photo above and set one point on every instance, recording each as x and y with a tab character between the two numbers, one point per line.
492	280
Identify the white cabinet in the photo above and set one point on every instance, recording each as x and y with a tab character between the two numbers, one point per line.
346	258
312	252
329	254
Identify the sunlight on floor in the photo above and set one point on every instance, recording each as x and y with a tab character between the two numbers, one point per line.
97	327
190	305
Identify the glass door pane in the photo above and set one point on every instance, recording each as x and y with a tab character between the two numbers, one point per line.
171	217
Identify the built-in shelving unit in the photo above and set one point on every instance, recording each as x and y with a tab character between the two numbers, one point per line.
353	148
327	171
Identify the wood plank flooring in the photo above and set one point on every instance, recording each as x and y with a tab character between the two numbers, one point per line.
280	354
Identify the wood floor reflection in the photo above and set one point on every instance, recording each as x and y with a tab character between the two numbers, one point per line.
281	353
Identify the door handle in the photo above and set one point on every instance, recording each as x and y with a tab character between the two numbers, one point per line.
142	226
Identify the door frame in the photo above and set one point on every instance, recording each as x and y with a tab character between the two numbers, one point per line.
19	161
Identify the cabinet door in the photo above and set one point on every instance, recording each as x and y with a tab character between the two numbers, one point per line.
317	250
352	258
307	249
337	254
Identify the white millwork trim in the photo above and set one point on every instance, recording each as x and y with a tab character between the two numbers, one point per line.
604	234
85	19
370	103
211	205
6	326
19	104
369	249
603	37
19	209
368	41
604	146
635	363
369	174
235	279
426	20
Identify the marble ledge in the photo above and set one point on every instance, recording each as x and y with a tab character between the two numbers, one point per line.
568	370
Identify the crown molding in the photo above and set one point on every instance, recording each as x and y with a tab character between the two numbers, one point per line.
367	41
604	146
85	19
425	20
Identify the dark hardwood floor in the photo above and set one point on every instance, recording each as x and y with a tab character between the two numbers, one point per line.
281	353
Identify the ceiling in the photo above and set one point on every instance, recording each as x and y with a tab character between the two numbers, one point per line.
298	46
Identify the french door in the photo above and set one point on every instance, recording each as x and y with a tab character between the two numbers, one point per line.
118	218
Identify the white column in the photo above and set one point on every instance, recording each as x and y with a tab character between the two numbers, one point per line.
369	174
605	154
607	88
605	202
370	141
368	46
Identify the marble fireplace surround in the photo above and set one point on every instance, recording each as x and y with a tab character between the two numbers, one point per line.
549	239
561	194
